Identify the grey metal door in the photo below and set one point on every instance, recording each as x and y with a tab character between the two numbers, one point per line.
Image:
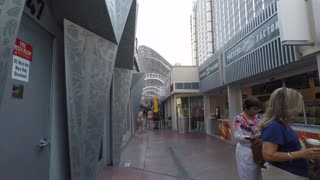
25	122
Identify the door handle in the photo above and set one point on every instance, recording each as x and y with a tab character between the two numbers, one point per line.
43	143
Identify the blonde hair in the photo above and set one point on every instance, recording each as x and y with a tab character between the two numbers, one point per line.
283	105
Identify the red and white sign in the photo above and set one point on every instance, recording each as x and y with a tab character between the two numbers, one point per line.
22	56
23	50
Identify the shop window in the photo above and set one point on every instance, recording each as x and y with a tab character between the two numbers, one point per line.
266	88
311	95
316	78
195	85
182	107
271	86
312	111
298	82
179	85
258	89
187	86
300	119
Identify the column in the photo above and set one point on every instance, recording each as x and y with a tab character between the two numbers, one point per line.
235	104
208	121
318	64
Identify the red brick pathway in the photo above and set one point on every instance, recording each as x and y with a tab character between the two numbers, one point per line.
169	155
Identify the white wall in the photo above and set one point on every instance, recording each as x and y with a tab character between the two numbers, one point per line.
184	74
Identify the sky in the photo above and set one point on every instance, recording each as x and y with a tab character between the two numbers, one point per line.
164	26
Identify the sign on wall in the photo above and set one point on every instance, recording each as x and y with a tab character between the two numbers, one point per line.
163	91
210	69
17	91
266	32
22	56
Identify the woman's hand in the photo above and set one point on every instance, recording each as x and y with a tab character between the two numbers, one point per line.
255	136
310	153
255	139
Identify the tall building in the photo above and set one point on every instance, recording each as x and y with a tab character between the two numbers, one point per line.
202	31
194	36
232	16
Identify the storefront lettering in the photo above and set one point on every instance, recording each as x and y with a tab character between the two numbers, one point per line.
266	32
212	68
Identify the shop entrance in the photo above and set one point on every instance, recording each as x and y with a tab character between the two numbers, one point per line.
197	114
190	114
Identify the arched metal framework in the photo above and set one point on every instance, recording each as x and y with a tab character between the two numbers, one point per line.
156	70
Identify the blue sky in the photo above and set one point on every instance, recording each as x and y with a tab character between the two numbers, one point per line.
164	25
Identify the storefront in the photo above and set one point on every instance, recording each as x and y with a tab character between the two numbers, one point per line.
255	63
216	100
189	113
308	123
184	104
219	115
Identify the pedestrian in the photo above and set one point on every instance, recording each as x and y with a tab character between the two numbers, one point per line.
245	128
140	121
150	118
281	144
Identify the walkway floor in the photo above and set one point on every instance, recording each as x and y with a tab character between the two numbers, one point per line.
167	155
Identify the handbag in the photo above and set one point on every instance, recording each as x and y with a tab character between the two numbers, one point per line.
314	169
256	148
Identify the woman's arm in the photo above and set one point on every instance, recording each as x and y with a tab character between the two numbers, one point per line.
238	132
270	153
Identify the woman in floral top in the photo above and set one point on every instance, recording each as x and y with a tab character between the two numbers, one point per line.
245	126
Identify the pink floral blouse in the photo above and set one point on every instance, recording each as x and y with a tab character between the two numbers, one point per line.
245	127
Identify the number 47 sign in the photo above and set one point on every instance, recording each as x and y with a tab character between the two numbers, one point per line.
36	8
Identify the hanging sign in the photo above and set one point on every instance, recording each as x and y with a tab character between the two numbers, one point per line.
22	56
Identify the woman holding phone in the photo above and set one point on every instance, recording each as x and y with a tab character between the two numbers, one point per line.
245	127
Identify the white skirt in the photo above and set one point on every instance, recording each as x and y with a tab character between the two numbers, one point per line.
247	168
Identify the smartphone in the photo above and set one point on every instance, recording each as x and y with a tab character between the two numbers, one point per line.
247	137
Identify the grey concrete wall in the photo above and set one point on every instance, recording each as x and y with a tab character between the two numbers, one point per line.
127	42
59	160
136	93
120	99
89	66
118	12
10	17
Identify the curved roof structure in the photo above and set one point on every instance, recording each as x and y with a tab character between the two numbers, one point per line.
156	70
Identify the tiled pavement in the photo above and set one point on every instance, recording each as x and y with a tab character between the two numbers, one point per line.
167	155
